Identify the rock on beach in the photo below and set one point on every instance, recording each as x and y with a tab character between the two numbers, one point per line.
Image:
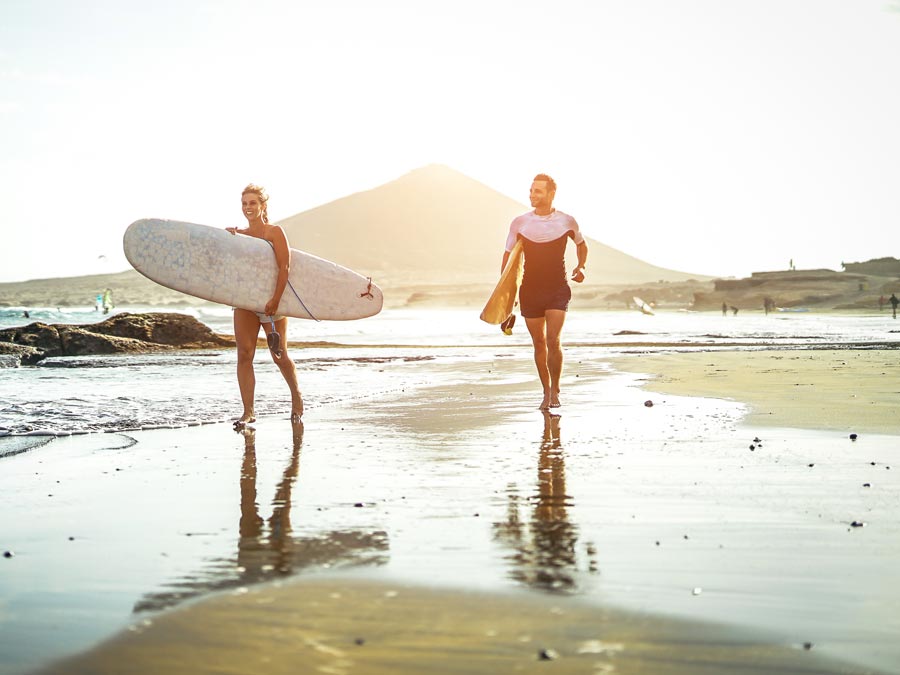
123	333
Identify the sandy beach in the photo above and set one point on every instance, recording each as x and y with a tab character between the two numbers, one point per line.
456	528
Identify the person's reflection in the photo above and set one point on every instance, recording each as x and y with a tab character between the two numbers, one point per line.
544	548
261	552
268	547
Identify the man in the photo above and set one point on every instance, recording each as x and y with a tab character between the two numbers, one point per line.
894	302
544	295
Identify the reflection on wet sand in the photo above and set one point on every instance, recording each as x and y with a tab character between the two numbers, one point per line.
544	553
266	548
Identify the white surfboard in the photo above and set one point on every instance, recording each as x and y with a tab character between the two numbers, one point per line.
643	306
239	271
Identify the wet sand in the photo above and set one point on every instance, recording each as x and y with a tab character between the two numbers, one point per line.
853	390
348	626
456	529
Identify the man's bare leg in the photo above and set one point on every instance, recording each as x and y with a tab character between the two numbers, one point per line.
555	318
246	330
538	330
288	370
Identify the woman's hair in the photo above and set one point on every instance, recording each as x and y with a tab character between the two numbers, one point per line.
260	192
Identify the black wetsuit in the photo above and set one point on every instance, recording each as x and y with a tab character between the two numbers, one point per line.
544	283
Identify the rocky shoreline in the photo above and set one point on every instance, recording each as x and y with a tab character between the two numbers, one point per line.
124	333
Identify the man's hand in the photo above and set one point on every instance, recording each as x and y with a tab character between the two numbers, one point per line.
578	275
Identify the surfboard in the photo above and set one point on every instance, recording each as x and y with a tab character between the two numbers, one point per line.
503	298
643	306
236	270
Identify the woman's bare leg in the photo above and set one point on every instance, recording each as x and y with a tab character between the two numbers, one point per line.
246	330
288	370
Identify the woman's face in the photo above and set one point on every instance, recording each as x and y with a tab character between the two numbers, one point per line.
252	206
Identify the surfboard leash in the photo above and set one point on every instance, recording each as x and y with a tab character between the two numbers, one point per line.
311	315
294	291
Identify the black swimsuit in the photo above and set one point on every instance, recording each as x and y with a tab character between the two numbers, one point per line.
544	284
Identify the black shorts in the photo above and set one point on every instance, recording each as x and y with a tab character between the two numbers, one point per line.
533	302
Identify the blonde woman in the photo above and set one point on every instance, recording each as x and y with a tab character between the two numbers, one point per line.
254	204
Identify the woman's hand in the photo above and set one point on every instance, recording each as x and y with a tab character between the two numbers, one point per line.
271	307
233	230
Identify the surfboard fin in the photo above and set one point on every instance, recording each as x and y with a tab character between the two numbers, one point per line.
507	325
273	339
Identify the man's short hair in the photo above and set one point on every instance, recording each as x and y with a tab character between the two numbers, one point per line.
551	184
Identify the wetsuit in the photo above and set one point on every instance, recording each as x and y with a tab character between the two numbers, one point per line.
544	238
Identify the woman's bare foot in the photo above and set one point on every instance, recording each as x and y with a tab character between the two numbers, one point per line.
245	419
296	407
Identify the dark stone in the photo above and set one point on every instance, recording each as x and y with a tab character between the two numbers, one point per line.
123	333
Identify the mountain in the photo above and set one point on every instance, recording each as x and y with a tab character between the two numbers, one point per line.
436	226
433	235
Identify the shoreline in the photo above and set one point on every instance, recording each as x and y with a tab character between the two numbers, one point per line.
491	522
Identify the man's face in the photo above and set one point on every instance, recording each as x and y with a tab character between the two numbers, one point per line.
540	194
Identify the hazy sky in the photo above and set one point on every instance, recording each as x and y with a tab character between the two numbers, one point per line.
709	136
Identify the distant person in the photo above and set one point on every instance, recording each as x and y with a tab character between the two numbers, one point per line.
254	202
26	314
894	302
107	301
545	294
881	303
734	310
724	309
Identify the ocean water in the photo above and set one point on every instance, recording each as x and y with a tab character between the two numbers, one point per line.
340	361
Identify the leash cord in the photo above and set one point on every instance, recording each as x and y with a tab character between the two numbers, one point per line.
294	291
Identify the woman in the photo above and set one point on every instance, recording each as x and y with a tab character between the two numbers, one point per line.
254	203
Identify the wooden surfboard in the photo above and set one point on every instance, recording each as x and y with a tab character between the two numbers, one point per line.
503	299
239	271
